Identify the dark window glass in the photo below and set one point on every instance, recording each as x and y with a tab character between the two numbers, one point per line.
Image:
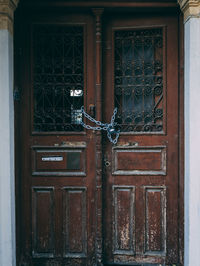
139	79
58	77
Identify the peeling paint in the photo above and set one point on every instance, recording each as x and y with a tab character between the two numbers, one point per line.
125	237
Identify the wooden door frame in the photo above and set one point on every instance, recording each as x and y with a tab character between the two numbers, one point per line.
97	8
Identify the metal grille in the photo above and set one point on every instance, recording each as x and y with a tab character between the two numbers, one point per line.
139	79
58	77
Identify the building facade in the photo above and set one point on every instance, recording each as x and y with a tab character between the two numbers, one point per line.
69	196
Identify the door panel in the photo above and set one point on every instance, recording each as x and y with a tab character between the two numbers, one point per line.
155	220
58	184
43	215
140	171
74	224
124	213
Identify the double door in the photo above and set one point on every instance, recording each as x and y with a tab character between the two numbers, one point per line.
84	200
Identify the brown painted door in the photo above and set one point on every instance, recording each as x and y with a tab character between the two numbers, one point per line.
57	206
141	171
59	209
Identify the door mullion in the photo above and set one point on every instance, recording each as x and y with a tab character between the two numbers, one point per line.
98	81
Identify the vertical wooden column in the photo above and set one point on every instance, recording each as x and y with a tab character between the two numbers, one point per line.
98	12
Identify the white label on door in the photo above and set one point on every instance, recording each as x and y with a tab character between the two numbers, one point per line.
52	158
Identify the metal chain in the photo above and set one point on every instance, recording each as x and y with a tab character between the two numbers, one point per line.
103	126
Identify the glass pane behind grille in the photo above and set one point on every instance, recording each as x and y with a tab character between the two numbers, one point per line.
139	80
58	77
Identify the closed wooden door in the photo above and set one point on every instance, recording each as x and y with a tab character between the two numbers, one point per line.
140	172
60	171
57	205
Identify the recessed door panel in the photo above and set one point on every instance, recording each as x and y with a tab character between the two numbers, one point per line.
43	217
124	223
155	220
74	223
140	160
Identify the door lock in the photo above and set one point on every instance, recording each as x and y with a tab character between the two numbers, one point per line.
106	163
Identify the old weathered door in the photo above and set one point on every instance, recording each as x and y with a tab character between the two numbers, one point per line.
57	180
60	173
140	180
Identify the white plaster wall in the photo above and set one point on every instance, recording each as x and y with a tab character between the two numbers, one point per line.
7	184
192	142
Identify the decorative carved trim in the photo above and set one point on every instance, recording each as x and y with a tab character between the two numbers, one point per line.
98	13
190	8
7	8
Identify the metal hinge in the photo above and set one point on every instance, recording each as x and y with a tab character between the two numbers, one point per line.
16	94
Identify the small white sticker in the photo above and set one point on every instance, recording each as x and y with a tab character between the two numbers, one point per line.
52	159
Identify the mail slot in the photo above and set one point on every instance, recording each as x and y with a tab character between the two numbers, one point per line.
58	161
50	160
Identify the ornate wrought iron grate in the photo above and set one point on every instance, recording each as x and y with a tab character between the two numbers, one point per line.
58	77
138	75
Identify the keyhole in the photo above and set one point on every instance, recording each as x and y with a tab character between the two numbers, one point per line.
107	163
